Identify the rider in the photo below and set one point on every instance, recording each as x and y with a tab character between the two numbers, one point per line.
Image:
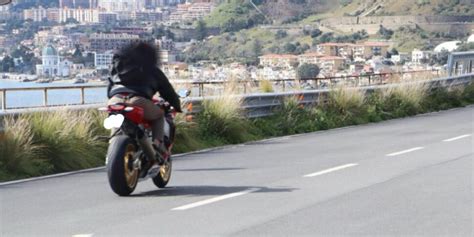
136	79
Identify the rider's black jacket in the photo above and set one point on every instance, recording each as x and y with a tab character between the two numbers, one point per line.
144	83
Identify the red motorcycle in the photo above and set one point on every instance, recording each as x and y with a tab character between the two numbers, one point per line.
131	156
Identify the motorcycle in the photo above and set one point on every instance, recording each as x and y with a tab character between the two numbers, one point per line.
131	156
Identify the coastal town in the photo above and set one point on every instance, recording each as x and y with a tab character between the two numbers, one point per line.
75	41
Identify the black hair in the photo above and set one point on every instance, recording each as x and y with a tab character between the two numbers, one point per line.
138	55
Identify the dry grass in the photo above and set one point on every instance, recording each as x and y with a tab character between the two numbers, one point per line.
266	86
412	93
345	98
19	155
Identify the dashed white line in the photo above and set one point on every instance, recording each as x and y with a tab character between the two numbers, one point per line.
83	235
405	151
216	199
330	170
457	138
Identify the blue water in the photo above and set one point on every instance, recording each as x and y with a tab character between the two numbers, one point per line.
22	99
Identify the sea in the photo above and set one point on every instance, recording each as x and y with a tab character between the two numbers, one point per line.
27	99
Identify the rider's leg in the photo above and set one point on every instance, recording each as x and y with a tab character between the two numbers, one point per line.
155	115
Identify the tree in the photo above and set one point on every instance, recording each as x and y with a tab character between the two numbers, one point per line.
394	51
77	55
281	34
257	47
385	33
308	71
7	64
201	30
289	48
315	33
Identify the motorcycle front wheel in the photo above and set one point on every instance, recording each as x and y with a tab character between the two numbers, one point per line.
123	175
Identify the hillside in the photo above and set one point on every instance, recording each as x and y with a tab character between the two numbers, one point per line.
244	14
302	24
403	7
425	7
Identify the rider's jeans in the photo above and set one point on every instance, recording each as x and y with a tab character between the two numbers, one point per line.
152	113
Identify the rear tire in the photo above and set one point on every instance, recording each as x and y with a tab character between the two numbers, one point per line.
162	179
123	177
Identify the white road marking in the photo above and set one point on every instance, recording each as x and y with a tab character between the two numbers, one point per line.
457	138
216	199
405	151
330	170
83	235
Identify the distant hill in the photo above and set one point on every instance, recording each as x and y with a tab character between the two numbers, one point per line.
247	13
406	7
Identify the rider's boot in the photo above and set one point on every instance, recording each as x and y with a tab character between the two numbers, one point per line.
162	152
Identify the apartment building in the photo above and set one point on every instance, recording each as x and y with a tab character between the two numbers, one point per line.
103	60
191	11
347	50
278	60
101	42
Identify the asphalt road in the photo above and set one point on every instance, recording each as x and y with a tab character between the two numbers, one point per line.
406	177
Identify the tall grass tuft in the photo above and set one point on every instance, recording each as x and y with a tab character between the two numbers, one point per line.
19	155
292	117
187	136
68	138
221	117
346	106
403	100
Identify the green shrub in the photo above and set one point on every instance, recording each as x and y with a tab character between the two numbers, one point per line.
442	99
468	94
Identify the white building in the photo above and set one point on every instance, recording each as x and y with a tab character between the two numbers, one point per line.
417	55
400	57
122	5
51	64
80	15
103	60
167	56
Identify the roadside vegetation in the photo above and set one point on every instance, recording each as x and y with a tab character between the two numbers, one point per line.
52	142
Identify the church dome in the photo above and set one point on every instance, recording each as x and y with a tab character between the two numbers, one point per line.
449	46
49	50
470	39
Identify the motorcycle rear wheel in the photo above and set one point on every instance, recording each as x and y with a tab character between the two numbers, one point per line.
123	176
162	179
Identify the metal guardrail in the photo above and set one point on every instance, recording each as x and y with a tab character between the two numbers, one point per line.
264	104
354	80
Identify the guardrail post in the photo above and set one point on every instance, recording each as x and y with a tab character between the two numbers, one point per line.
4	100
45	97
82	96
201	89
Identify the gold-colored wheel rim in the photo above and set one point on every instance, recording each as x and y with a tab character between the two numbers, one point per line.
165	171
131	173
